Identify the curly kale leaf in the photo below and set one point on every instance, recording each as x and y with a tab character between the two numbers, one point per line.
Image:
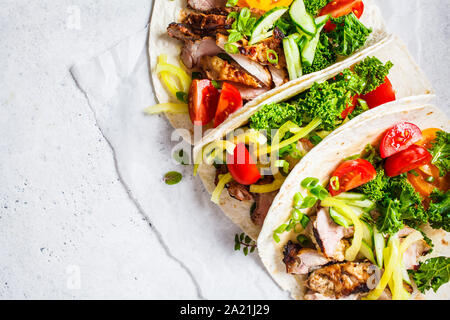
325	101
439	210
349	35
273	116
372	155
373	72
324	56
375	189
440	150
313	7
389	222
432	274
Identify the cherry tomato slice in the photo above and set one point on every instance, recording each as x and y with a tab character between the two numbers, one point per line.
242	167
202	100
339	8
349	108
406	160
399	138
381	95
230	100
352	174
428	136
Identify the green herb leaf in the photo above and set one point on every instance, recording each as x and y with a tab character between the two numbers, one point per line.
440	150
172	177
432	274
182	96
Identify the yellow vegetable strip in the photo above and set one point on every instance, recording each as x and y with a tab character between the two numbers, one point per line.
300	134
216	146
184	78
168	81
390	260
341	207
266	188
167	107
250	136
223	180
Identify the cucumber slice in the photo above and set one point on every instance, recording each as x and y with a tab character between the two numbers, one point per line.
302	18
292	54
367	252
339	219
265	23
309	51
351	196
379	245
367	233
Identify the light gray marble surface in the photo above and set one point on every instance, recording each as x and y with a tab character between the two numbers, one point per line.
69	227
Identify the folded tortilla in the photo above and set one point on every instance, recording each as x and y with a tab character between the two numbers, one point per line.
321	163
406	78
166	12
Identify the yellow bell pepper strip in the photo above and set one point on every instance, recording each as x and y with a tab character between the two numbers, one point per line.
223	180
216	146
166	70
250	136
168	81
298	134
167	107
266	188
390	254
342	208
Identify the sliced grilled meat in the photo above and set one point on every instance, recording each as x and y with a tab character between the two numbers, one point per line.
414	252
216	68
225	11
205	5
250	93
239	191
279	76
254	68
300	260
207	24
192	51
340	279
263	201
328	234
183	32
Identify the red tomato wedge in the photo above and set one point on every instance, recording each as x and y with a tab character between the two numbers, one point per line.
202	101
381	95
352	174
399	138
230	100
242	167
406	160
339	8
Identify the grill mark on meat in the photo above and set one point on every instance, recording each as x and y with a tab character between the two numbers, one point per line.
340	279
235	189
182	32
263	202
207	24
192	51
216	68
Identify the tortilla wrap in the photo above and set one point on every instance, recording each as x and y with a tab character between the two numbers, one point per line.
323	160
406	78
166	12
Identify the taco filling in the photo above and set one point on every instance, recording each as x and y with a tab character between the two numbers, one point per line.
238	50
364	233
253	164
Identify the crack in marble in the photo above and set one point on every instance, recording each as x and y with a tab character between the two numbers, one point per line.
136	203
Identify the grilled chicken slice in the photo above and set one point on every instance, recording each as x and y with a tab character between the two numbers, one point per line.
263	201
207	24
340	279
328	235
254	68
279	76
205	5
249	93
300	260
192	51
216	68
414	252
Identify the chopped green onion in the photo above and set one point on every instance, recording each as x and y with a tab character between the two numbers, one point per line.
231	48
319	192
430	179
276	237
308	202
231	3
282	164
414	172
298	198
303	240
281	228
309	183
334	183
363	104
270	54
172	177
216	84
305	220
297	215
315	139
